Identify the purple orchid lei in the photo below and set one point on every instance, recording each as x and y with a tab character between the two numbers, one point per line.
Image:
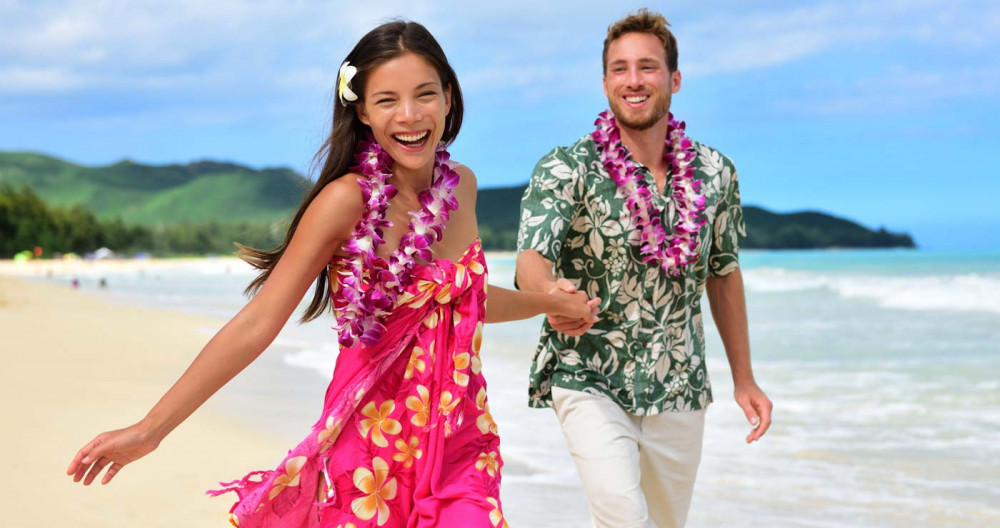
361	320
670	252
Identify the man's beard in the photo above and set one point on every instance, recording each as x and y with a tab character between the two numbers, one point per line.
661	108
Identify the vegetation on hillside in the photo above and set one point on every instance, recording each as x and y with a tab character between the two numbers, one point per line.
498	211
152	195
204	207
26	222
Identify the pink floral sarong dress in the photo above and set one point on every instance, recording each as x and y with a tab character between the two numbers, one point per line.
406	438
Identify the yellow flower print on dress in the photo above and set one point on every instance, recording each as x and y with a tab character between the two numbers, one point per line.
448	403
444	294
290	478
416	363
489	462
477	343
477	339
423	293
408	452
496	517
329	433
420	406
461	363
378	422
476	268
485	420
432	319
234	520
378	490
461	276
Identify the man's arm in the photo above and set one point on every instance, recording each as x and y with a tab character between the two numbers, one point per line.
728	305
534	273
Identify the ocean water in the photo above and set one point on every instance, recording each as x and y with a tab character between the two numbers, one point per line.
884	368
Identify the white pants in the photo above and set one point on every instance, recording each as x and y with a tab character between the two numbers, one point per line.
637	472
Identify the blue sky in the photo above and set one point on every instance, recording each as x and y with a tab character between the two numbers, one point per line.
885	112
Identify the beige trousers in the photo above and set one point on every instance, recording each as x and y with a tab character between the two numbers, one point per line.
637	472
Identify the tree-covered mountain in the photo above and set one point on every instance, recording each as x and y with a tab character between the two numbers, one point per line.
159	194
209	196
498	211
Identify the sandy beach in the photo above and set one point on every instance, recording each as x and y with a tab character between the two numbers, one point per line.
76	366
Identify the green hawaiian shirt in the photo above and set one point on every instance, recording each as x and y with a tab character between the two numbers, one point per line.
647	351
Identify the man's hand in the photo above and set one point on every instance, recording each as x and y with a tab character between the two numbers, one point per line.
567	325
757	407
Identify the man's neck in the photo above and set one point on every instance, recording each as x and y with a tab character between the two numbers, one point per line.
647	147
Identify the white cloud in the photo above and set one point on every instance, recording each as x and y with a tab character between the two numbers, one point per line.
20	79
288	51
894	90
728	43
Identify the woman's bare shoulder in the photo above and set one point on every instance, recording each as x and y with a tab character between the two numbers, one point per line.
337	207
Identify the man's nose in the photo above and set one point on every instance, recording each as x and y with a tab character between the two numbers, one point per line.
633	78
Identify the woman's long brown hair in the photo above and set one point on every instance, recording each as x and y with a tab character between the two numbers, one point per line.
336	155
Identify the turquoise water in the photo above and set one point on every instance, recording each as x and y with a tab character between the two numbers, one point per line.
884	367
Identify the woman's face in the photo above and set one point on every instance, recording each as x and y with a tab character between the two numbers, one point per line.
406	106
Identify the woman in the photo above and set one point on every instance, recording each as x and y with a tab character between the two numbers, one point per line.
405	437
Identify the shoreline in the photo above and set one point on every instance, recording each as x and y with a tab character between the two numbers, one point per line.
82	365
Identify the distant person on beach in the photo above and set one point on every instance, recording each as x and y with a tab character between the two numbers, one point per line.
405	437
639	215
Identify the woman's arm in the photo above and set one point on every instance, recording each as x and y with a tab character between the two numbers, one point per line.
324	226
503	305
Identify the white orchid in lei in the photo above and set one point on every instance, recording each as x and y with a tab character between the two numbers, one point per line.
347	72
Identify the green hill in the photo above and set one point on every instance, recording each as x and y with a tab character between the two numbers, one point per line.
209	192
160	194
498	211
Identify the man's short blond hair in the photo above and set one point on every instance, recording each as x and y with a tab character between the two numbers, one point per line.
644	21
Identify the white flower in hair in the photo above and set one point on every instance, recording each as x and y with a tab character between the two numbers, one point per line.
347	72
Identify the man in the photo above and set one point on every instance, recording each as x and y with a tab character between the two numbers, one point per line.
631	390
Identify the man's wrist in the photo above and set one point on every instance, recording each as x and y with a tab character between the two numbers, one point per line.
743	379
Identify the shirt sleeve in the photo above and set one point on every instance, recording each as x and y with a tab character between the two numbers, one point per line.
728	229
548	205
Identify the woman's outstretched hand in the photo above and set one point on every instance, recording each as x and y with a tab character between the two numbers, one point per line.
114	450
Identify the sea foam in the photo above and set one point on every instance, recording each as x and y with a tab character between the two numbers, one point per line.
960	292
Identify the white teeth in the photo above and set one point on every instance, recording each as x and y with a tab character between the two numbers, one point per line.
410	138
636	98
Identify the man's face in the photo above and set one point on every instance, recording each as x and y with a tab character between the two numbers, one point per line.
637	82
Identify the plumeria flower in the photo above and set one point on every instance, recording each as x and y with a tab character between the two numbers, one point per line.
347	72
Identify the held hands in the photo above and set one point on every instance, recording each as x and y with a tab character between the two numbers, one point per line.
579	315
116	448
757	407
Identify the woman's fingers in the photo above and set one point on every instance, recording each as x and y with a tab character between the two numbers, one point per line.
112	471
96	470
81	458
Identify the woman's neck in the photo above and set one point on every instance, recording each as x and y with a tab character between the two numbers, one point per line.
412	182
